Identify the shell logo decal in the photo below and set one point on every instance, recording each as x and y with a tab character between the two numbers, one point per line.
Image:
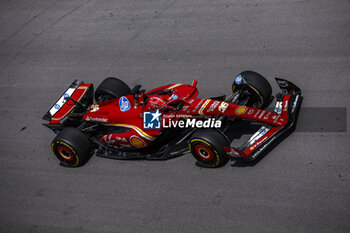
241	110
137	142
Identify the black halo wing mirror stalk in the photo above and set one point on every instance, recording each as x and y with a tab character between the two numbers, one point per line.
136	89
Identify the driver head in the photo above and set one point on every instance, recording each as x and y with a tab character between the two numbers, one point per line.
155	101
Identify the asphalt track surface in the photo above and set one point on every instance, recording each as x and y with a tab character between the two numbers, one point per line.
301	186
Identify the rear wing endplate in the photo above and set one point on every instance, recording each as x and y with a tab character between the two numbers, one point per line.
64	105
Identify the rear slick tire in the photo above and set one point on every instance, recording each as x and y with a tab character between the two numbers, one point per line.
111	88
71	147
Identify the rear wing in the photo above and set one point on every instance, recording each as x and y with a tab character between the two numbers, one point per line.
78	91
287	105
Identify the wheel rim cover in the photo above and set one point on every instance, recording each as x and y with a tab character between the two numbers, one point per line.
204	152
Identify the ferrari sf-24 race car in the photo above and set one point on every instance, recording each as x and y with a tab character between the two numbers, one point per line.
122	123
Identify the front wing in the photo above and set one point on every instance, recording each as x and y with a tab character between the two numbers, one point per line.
287	105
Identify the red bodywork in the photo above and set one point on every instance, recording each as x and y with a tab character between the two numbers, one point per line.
69	105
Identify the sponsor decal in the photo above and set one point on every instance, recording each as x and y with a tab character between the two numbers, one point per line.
174	97
250	112
258	143
262	131
94	108
121	139
137	142
285	106
267	115
256	114
213	106
240	110
151	120
61	101
278	108
124	104
223	106
109	140
97	119
295	103
238	79
263	112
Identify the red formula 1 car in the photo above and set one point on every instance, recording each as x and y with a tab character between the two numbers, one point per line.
165	122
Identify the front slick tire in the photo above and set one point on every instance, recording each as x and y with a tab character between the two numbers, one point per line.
207	147
71	147
259	87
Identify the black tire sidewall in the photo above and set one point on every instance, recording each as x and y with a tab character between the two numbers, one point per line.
258	85
112	87
214	141
76	142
